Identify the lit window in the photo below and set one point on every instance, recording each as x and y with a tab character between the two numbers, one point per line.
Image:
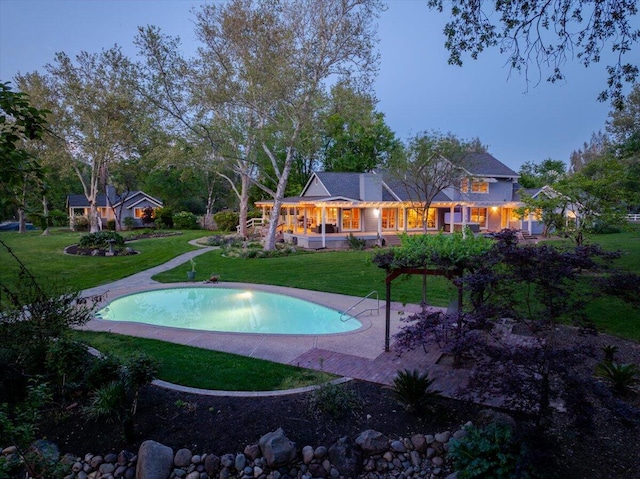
479	215
476	186
415	218
351	219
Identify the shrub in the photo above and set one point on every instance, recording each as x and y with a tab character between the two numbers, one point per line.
111	225
128	223
621	376
415	391
80	223
185	220
164	216
101	240
227	220
108	402
102	371
356	243
609	351
491	453
66	359
58	218
335	400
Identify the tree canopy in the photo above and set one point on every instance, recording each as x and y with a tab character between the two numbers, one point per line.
541	34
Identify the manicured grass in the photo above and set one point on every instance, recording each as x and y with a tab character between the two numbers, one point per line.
44	257
202	368
343	272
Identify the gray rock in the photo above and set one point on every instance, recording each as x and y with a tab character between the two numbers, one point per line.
415	458
459	434
346	457
81	475
307	454
120	470
193	475
96	461
111	458
453	475
196	459
182	458
77	467
437	461
252	451
257	471
419	442
320	452
429	438
179	473
398	446
124	458
228	460
277	449
372	442
240	461
155	461
212	465
107	468
9	450
443	436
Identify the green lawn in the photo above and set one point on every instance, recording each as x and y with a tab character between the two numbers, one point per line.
343	272
44	257
202	368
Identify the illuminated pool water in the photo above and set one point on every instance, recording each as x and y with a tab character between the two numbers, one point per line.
228	310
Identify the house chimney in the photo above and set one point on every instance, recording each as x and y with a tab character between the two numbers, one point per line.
111	194
370	187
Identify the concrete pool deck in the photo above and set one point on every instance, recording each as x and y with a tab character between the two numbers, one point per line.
359	354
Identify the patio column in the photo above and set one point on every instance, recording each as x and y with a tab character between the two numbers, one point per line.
465	212
380	223
452	216
324	228
529	225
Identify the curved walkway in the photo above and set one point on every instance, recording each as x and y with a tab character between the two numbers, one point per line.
359	354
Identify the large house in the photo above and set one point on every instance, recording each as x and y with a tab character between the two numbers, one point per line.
375	207
130	204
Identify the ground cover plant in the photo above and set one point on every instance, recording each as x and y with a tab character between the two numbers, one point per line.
215	370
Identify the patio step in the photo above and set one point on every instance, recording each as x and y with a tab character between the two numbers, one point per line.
391	240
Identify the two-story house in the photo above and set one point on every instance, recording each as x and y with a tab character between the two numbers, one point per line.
375	207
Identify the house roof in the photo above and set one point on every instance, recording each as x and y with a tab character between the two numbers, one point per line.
130	199
344	184
485	164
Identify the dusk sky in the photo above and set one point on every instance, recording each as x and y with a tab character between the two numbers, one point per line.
416	88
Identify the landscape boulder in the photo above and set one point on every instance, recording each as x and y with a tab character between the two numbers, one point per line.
277	449
155	461
372	442
346	457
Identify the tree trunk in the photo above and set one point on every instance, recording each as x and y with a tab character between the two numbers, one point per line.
244	205
270	240
45	214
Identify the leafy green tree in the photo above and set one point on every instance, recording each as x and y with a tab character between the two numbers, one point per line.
598	145
98	115
536	33
20	124
537	175
356	137
431	163
624	122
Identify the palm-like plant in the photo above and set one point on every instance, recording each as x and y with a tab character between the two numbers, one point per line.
609	351
414	390
621	376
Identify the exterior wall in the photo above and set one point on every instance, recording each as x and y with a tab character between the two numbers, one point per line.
494	219
369	219
316	189
370	187
498	192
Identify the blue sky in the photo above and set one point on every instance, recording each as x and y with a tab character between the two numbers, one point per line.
416	87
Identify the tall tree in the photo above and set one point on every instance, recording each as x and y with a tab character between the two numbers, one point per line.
98	115
537	175
624	122
274	59
20	123
537	33
356	137
432	162
597	146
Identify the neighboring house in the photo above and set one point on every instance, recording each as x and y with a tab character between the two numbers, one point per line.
126	205
372	206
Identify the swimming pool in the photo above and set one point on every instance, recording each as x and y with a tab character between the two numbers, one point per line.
228	310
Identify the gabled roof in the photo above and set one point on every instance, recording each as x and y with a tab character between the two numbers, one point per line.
485	164
130	200
345	184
